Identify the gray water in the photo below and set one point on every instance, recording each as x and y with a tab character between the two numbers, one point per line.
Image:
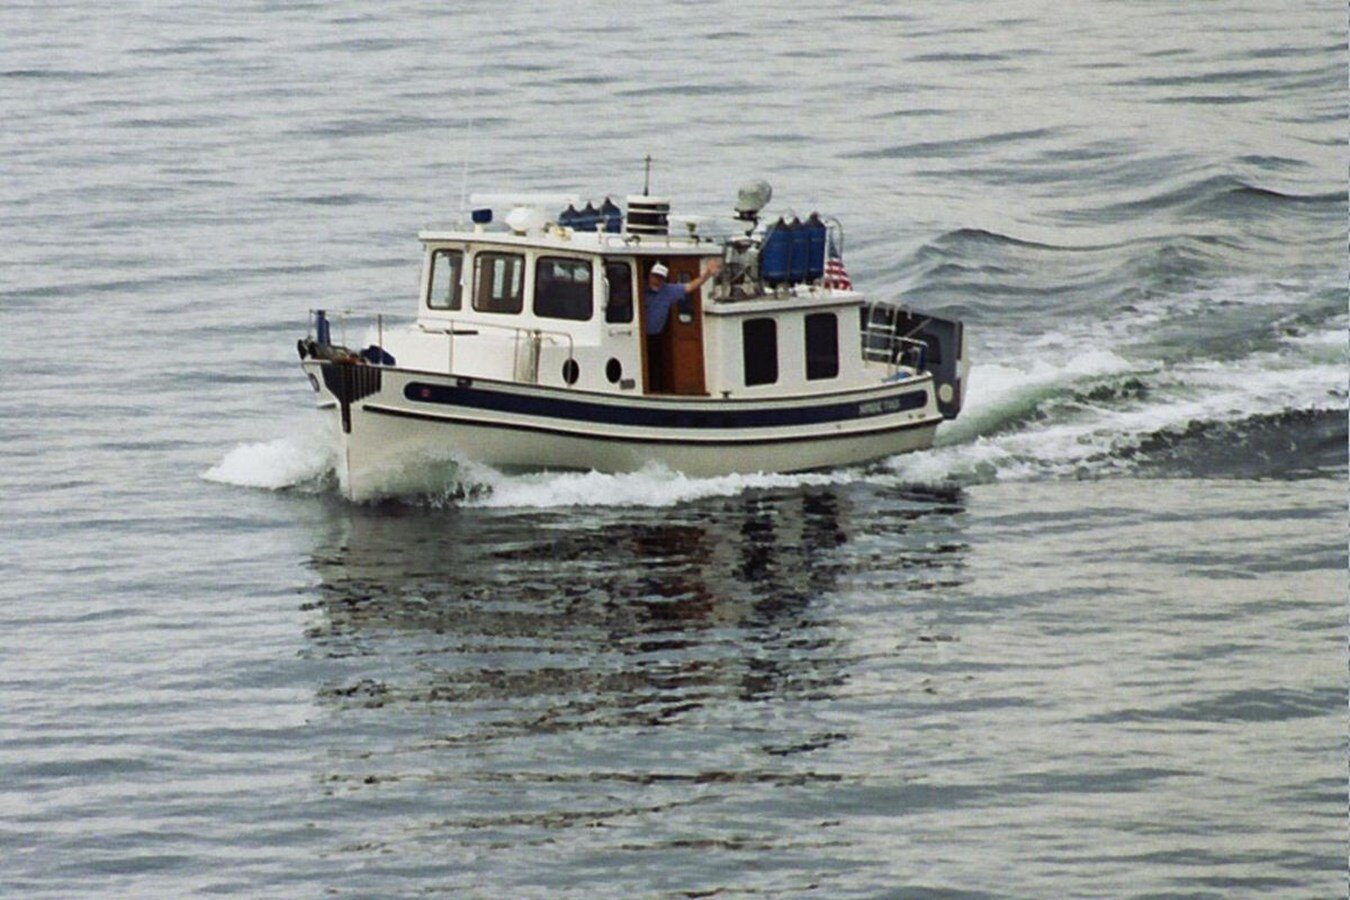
1093	644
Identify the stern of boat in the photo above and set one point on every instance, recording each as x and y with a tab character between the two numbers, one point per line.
924	342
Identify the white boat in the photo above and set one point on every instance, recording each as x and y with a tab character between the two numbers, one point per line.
528	352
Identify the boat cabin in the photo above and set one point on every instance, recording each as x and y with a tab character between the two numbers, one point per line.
542	303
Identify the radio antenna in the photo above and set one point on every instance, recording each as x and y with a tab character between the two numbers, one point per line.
647	181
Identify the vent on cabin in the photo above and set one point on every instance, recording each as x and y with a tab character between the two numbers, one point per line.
648	215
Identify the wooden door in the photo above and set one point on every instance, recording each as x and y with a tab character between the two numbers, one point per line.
684	339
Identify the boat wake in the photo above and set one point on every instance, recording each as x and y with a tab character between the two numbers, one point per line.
1277	413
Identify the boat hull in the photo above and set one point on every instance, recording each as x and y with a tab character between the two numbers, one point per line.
396	423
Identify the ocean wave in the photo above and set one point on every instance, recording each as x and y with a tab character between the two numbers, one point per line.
50	74
952	148
1207	197
1169	265
962	239
1288	444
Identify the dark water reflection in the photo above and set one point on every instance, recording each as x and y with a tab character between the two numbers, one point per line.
601	617
615	690
803	689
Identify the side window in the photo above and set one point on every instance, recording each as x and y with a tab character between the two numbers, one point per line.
499	282
446	269
760	345
619	307
562	288
822	346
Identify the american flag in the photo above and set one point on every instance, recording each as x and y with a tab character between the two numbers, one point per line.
836	276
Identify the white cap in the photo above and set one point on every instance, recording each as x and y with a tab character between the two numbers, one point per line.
660	269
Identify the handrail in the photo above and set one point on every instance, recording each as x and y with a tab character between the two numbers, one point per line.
341	316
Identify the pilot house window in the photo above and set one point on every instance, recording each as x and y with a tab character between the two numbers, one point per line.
562	288
760	346
446	269
822	346
500	281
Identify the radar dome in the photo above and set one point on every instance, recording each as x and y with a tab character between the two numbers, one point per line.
751	198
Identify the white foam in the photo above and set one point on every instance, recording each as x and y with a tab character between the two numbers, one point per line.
979	460
1330	345
304	456
652	486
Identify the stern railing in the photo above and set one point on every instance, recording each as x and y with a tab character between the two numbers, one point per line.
883	342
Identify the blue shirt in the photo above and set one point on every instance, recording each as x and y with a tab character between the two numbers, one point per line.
658	304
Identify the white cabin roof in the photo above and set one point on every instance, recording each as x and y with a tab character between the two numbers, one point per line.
565	239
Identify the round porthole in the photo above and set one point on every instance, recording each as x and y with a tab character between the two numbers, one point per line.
613	370
571	371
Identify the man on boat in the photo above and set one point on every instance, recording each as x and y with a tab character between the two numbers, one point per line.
660	297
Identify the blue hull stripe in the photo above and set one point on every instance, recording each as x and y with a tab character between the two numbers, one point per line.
715	439
586	412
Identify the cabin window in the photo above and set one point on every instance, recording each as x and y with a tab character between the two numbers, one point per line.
619	307
562	288
760	345
822	346
499	280
447	267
